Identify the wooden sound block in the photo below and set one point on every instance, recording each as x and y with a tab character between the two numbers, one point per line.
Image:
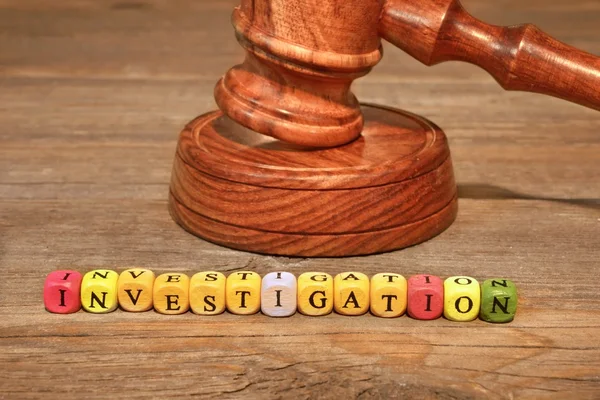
392	187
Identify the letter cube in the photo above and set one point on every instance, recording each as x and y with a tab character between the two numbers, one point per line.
99	291
171	293
62	292
462	298
425	297
498	300
242	292
278	296
207	293
351	293
315	293
135	289
388	295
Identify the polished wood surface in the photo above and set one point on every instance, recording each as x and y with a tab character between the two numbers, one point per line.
301	58
519	57
294	84
93	96
391	188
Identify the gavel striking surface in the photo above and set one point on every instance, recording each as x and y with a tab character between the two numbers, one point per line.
390	188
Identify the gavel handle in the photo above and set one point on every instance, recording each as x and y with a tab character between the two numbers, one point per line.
518	57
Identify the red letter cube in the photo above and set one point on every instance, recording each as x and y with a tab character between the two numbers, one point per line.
61	292
425	297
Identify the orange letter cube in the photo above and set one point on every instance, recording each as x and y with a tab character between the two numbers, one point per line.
242	292
207	293
351	293
171	293
315	293
135	289
388	295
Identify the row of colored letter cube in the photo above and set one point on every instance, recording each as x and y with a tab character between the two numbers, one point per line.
280	294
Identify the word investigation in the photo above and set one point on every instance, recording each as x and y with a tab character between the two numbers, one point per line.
280	294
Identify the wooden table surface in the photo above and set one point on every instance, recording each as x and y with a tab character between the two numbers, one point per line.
92	97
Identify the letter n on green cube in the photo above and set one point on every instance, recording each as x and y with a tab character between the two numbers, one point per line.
498	300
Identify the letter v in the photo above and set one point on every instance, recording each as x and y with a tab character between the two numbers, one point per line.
133	300
134	275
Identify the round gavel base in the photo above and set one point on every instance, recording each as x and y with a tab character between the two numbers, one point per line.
391	188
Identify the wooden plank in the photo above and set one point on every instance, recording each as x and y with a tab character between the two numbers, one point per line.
125	171
41	110
110	39
106	172
516	238
550	347
124	135
194	39
92	97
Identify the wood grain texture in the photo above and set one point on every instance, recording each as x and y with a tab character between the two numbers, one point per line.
518	57
391	188
294	83
301	58
93	95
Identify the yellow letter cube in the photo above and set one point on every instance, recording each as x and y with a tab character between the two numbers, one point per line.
171	293
315	293
134	289
99	291
207	293
351	293
242	294
388	295
462	298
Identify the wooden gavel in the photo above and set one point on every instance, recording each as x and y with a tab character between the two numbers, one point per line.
303	55
344	178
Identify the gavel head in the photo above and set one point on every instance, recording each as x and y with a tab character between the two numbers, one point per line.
301	59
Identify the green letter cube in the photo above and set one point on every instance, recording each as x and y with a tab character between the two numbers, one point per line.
498	300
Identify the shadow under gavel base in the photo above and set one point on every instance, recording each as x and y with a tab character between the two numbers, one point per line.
391	188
